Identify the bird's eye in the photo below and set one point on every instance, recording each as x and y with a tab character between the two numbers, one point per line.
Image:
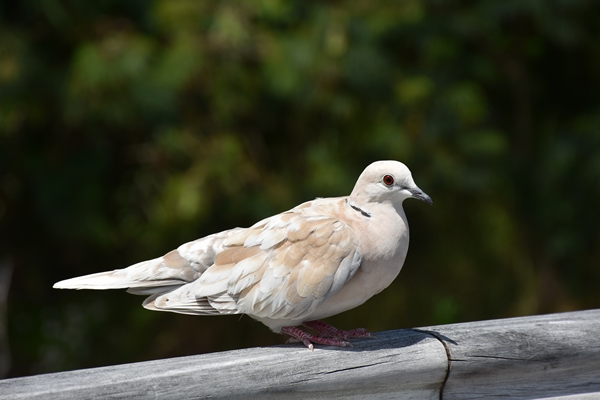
388	180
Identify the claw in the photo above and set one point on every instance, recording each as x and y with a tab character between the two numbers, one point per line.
330	331
298	335
328	335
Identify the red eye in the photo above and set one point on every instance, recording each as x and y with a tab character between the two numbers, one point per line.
388	180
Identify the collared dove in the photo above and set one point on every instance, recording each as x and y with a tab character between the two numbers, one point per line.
316	260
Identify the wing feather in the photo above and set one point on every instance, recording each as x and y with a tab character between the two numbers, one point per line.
301	272
281	268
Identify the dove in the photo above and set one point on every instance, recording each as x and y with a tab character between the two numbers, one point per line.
319	259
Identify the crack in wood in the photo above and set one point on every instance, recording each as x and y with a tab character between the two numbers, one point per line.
501	358
448	356
351	368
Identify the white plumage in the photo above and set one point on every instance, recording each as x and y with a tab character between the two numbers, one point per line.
318	259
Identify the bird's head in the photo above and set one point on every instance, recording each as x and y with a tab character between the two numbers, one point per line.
387	181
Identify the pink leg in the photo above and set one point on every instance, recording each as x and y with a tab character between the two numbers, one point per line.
330	331
307	338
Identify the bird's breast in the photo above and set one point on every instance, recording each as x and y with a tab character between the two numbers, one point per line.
383	248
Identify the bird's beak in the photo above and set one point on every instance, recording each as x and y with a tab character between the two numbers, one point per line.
420	195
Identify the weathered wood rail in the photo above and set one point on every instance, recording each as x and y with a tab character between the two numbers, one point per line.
554	356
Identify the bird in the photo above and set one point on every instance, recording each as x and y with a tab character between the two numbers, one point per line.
290	270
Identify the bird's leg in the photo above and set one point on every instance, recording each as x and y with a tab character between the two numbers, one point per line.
307	338
330	331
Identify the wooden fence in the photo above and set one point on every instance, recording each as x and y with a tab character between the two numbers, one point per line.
553	356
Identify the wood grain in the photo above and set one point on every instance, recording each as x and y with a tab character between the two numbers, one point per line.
554	356
399	364
523	358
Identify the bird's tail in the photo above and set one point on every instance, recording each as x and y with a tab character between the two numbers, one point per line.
146	277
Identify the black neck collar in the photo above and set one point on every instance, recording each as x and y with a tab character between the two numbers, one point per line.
360	210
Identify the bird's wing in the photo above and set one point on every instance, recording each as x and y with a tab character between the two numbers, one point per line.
281	268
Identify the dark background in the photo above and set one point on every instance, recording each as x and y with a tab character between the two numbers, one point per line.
130	127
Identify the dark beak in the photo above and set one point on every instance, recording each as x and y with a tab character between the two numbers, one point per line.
420	195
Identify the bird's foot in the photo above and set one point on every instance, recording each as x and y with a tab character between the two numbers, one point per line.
327	330
299	335
327	334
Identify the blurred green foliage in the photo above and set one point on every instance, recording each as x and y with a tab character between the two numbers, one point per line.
129	127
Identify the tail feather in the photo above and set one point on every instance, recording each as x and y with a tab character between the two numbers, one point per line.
202	306
149	291
160	275
169	270
117	279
